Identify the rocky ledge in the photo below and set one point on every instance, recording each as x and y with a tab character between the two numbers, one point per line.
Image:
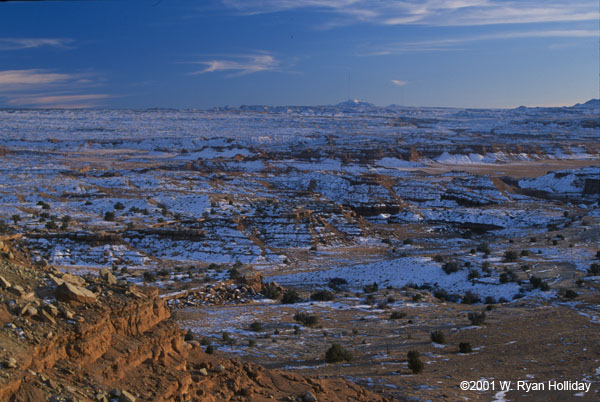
93	338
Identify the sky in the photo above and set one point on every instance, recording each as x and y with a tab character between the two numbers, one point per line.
201	54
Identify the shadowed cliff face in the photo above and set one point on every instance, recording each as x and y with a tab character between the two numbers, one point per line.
89	337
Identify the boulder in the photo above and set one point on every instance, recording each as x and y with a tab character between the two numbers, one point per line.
68	292
74	279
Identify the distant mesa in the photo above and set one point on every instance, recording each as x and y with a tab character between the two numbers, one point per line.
592	103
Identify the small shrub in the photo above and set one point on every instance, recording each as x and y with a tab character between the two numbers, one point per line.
414	361
470	298
119	206
473	274
535	281
484	248
571	294
149	276
336	353
210	349
338	284
189	336
290	296
109	216
382	305
510	256
306	318
465	347
490	300
51	225
251	343
43	205
225	337
544	287
204	341
450	267
234	273
533	239
416	297
442	294
396	315
371	288
407	241
504	277
438	337
438	258
322	295
524	253
256	326
594	269
477	318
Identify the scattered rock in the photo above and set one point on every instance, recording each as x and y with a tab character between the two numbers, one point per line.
309	397
126	397
28	310
68	292
21	293
102	397
203	371
11	362
4	284
51	309
46	316
219	368
108	277
74	279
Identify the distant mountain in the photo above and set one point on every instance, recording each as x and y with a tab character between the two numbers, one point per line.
354	103
591	103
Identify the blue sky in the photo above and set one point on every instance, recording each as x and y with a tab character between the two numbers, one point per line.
199	54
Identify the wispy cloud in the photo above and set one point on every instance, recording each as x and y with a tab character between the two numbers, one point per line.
240	64
44	88
16	79
447	44
57	101
399	83
31	43
431	12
